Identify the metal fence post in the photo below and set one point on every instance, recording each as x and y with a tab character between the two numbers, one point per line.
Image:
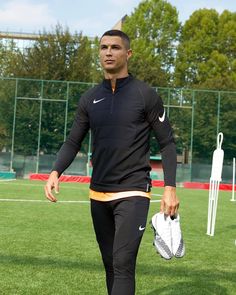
40	124
218	113
66	109
13	128
191	141
168	103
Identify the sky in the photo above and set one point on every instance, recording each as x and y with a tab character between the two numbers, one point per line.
92	18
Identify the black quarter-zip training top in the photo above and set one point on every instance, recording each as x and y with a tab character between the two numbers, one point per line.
120	122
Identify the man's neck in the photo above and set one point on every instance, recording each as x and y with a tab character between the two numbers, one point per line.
114	77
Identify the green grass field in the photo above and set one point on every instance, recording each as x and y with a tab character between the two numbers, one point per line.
48	248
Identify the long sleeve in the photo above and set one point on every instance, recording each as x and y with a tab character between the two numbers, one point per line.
163	132
169	164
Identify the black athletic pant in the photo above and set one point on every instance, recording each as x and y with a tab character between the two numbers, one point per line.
119	226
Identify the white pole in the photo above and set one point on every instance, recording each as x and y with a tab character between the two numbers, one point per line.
217	184
210	206
215	179
233	183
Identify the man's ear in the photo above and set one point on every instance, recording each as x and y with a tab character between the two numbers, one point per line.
129	54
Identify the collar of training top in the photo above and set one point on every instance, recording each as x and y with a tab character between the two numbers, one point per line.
120	82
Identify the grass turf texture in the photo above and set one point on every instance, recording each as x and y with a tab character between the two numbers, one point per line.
48	248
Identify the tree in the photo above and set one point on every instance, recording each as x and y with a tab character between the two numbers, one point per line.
206	54
218	72
206	59
154	29
57	56
8	57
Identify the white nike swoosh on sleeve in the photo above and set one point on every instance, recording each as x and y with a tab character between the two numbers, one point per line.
162	118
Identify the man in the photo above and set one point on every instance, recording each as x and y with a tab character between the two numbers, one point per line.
121	111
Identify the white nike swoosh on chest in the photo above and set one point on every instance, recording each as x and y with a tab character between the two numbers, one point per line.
99	100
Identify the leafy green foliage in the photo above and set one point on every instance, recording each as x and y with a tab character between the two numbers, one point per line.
206	55
206	59
154	29
57	56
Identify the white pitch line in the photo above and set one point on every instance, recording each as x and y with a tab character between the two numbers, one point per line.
45	201
7	180
62	186
39	201
40	185
156	195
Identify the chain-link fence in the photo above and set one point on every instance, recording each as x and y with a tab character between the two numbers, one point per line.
36	115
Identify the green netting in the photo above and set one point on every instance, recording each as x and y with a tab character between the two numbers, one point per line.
36	116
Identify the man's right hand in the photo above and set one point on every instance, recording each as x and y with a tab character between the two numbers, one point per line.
52	183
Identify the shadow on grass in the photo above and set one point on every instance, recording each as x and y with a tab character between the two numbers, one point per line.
233	226
190	288
192	280
226	229
49	262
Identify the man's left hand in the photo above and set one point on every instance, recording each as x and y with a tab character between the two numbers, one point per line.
169	201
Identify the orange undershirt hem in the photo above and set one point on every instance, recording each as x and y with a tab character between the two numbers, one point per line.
110	196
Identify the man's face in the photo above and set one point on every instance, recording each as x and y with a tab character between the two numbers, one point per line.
113	54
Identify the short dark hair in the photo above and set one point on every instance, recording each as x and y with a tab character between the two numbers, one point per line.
120	34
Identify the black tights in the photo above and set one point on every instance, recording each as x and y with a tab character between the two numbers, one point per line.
119	227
